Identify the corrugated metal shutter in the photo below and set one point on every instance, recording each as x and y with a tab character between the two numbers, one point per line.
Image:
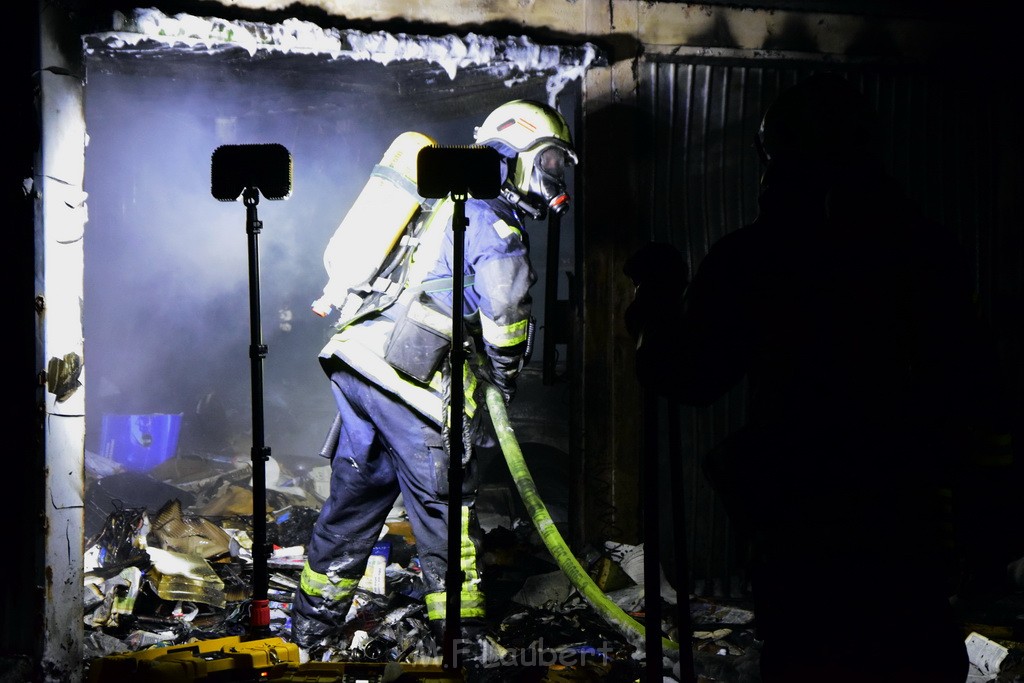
703	112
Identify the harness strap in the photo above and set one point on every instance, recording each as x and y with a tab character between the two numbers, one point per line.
401	181
441	284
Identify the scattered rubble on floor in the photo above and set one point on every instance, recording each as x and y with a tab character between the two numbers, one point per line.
169	561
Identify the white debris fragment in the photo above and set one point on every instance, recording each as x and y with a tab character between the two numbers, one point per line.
543	590
631	559
985	655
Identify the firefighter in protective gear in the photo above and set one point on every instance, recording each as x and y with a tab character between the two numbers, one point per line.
389	371
850	317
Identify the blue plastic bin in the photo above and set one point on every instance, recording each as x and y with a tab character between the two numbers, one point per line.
140	442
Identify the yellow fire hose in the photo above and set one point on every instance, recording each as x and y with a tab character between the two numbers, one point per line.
552	538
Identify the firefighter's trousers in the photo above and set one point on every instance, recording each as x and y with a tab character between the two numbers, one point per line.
384	448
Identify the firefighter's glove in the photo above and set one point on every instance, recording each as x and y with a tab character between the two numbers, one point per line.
506	389
506	385
659	276
503	366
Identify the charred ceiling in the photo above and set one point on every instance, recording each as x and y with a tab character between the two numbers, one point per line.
436	72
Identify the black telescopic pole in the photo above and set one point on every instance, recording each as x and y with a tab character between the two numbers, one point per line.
454	577
684	625
551	299
652	541
259	609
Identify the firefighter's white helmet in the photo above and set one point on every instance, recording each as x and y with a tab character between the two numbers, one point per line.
536	139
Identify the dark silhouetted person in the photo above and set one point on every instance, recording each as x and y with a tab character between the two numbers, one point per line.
851	317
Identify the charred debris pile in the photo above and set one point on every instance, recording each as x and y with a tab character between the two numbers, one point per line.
169	561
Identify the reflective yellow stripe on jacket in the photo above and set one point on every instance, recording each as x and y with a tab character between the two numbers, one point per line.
504	335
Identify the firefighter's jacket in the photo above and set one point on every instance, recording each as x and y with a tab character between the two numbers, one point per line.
404	348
